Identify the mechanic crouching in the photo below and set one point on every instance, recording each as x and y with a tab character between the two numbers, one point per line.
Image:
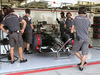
12	21
27	36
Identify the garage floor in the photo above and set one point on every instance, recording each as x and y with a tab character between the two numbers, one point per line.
46	60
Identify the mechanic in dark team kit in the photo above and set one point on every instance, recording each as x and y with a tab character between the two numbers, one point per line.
61	22
82	25
12	21
27	36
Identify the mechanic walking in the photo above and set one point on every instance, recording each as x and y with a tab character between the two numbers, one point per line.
28	32
15	38
82	25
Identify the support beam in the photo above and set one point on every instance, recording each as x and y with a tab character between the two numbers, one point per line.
1	5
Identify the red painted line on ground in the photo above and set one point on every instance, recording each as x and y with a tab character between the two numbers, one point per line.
50	69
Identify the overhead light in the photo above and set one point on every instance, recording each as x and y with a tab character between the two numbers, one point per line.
28	1
37	0
23	3
68	7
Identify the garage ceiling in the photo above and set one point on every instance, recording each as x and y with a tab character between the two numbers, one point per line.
46	4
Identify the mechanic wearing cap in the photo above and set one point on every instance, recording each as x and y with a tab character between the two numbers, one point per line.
15	38
68	24
82	26
61	22
28	32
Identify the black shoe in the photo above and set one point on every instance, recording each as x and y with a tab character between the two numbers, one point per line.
81	68
80	64
25	50
28	52
24	60
12	62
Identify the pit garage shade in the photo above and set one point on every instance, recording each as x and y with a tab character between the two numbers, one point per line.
96	1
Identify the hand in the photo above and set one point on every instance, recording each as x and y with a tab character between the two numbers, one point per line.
7	32
65	26
56	18
22	31
71	31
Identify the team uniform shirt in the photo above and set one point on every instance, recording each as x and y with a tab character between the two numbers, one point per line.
82	24
12	21
28	26
69	23
62	22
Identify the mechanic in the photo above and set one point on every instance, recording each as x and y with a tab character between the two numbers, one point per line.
28	32
82	25
15	38
68	25
61	22
54	30
5	11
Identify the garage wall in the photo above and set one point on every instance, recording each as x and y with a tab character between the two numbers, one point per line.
97	14
49	15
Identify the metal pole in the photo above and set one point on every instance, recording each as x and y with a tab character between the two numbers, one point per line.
1	5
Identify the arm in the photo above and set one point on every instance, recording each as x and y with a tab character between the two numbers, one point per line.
1	27
32	27
72	29
58	20
24	26
89	29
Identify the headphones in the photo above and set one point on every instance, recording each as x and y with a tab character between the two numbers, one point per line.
82	10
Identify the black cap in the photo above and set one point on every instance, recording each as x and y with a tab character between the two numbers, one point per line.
62	12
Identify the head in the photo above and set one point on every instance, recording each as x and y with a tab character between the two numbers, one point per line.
27	11
9	10
53	26
68	15
62	14
82	10
5	10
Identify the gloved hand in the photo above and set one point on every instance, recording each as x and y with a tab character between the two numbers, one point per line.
57	20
